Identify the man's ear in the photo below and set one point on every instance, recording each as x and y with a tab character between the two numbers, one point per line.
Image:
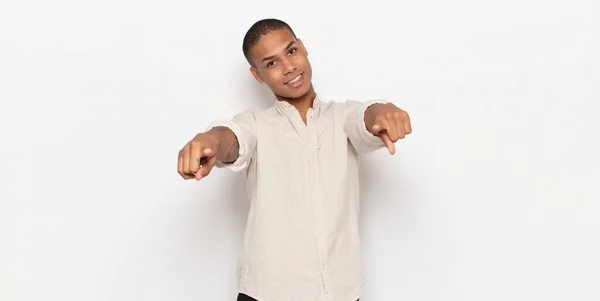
302	45
256	75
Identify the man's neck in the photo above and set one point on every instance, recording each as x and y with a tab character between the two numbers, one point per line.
302	103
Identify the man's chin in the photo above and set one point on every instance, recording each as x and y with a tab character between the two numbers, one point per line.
296	93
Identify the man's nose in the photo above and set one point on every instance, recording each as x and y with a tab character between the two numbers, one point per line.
288	66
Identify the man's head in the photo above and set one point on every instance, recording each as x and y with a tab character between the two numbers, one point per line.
278	58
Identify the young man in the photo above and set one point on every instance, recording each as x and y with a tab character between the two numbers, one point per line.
300	160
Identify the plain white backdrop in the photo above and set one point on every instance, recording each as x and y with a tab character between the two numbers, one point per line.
495	196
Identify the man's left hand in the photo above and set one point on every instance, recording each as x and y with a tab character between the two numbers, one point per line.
388	122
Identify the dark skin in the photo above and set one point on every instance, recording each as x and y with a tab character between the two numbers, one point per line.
279	58
280	61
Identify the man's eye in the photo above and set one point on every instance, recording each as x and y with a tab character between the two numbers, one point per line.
292	50
270	64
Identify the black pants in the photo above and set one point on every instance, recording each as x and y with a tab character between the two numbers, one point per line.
243	297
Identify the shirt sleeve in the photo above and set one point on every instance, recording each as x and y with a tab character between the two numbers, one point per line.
355	128
243	126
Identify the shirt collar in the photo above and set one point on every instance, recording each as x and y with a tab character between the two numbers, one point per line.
284	106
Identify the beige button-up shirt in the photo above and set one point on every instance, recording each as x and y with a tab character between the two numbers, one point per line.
302	240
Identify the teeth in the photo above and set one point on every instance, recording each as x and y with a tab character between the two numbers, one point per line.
295	79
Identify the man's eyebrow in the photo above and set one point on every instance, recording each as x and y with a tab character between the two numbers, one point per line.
289	45
270	57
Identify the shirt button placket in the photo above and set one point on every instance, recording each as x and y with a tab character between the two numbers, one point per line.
317	199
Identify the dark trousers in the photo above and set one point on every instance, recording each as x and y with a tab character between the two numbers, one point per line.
243	297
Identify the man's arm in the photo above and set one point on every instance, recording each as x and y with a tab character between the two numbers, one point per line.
225	143
228	146
375	124
238	136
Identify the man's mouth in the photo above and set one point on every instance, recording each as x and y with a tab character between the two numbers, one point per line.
296	80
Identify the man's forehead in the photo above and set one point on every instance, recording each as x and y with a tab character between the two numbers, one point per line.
274	41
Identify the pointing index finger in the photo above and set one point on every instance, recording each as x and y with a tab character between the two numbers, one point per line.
388	142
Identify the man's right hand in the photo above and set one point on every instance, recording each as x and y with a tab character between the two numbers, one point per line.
198	157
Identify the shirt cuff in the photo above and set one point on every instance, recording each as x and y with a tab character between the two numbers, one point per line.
240	163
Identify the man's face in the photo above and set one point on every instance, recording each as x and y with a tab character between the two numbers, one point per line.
281	62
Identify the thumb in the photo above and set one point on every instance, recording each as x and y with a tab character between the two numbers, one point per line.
206	166
375	129
388	142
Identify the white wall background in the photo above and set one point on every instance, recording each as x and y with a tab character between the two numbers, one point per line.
493	197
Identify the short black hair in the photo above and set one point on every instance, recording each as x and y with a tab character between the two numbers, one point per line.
257	30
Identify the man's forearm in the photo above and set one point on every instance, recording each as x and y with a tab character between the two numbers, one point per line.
228	150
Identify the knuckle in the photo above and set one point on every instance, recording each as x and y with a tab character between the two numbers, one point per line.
388	115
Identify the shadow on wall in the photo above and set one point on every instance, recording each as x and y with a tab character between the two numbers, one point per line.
230	203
